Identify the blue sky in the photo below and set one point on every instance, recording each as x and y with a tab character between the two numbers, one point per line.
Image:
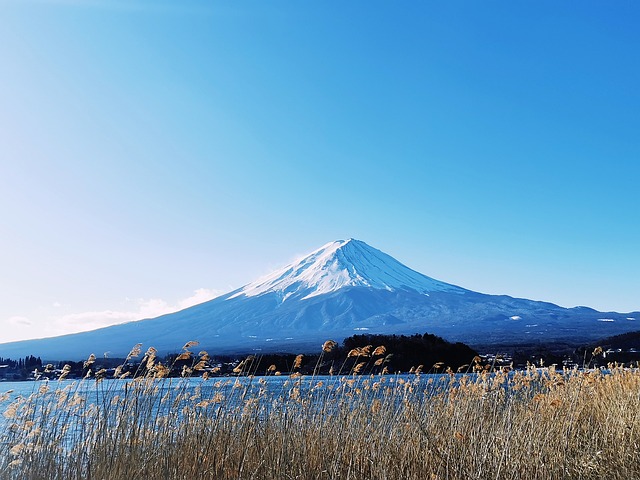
156	153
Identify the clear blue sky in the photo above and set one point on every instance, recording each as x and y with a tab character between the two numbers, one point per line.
154	153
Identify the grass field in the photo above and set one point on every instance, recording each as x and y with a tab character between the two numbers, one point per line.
533	424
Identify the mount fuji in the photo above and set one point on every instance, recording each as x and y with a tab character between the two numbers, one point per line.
343	288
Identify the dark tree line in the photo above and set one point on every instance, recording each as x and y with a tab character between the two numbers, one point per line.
27	363
363	354
415	350
367	354
19	369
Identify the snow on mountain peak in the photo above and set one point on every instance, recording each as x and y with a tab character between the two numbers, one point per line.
343	263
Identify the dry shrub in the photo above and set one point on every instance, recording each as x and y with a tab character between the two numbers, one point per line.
533	424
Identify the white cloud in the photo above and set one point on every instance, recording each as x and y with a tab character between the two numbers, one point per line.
199	296
76	322
141	309
16	328
19	321
22	328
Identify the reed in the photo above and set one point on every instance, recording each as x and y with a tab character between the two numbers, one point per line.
532	424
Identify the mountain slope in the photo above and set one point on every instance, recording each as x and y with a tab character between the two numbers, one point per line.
339	264
343	288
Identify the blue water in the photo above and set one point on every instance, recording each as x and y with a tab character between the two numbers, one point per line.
273	386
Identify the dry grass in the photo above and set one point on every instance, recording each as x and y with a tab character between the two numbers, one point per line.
534	424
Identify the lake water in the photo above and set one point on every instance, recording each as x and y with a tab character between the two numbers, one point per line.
272	383
172	394
268	386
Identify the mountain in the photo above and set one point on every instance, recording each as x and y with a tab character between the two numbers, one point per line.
343	288
341	264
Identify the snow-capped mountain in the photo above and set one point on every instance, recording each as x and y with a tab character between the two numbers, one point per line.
344	263
343	288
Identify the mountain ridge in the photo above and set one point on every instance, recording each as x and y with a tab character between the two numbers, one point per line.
342	288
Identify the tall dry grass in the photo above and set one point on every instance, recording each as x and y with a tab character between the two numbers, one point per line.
533	424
